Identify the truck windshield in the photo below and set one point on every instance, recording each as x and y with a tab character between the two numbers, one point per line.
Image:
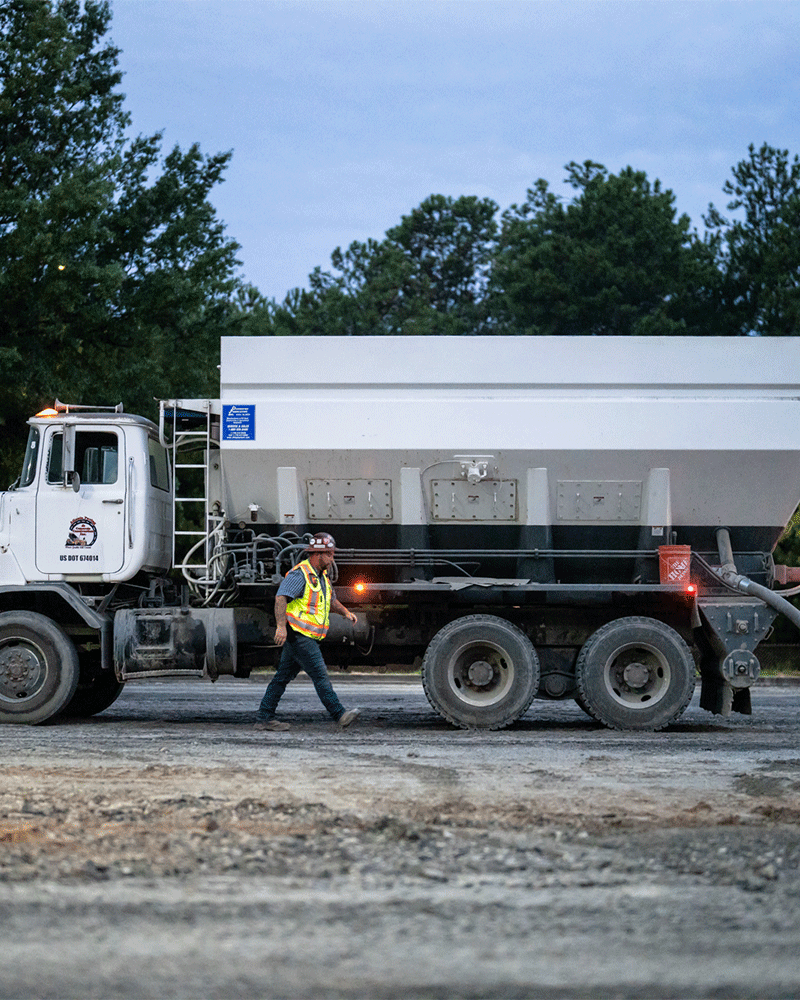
31	458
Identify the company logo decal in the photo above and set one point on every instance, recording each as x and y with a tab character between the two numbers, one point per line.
239	422
82	533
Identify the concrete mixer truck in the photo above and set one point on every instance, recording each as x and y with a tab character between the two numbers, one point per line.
518	518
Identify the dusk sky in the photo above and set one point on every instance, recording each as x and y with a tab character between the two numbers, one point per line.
342	117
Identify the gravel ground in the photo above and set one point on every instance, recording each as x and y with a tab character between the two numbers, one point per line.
165	849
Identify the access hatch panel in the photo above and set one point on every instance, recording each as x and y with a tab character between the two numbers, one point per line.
349	499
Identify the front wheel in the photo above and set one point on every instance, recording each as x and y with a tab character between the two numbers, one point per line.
38	667
97	689
635	673
480	672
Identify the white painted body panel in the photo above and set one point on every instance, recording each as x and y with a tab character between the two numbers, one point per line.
721	415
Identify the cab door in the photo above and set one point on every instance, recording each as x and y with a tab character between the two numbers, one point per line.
82	532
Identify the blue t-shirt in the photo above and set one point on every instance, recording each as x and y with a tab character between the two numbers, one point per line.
294	583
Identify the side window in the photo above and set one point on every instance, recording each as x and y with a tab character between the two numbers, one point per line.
54	464
159	466
31	456
95	457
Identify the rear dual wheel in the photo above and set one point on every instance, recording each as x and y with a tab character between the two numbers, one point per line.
480	672
635	673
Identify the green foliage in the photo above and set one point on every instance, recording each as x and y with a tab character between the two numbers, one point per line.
427	276
758	255
614	260
116	279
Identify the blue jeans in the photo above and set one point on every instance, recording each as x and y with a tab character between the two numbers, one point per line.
300	652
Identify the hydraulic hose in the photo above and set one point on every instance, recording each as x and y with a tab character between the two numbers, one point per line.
728	573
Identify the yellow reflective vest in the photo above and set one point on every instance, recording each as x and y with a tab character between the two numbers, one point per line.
310	612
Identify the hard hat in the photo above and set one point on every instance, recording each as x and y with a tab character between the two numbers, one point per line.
321	542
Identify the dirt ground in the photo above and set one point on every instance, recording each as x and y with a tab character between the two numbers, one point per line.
166	849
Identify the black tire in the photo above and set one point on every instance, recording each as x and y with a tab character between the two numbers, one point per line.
96	690
582	705
635	673
480	672
38	667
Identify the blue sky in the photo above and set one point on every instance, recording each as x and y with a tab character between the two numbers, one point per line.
343	116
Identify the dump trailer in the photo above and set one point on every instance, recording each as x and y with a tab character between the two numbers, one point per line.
590	518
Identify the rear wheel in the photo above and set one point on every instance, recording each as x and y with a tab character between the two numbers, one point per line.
38	667
635	673
480	672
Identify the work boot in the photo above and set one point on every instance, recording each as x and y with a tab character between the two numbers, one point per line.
272	724
349	717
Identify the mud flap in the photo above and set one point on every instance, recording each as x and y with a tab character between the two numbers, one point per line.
720	698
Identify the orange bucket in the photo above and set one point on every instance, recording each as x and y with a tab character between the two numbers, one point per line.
674	563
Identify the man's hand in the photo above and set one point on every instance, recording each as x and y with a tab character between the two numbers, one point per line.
280	635
339	609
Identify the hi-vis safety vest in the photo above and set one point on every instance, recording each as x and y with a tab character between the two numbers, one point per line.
309	613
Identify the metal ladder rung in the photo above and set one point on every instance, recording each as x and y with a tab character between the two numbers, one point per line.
193	441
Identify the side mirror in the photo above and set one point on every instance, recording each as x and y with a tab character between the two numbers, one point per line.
70	474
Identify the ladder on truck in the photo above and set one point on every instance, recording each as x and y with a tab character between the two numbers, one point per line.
192	438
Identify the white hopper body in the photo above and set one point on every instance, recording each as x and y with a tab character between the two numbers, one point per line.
481	442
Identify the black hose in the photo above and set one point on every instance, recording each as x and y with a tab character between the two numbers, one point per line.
729	576
780	604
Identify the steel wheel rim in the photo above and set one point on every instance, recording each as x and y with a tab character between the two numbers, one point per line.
637	675
23	670
480	673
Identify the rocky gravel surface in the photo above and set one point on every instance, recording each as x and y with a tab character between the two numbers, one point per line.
166	849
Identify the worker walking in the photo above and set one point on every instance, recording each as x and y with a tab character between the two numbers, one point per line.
303	604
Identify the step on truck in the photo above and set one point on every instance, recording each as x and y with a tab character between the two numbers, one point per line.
518	518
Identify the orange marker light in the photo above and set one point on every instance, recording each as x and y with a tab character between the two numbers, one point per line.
49	412
691	589
360	587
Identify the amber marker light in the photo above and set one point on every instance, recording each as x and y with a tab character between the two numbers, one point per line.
691	588
360	587
49	412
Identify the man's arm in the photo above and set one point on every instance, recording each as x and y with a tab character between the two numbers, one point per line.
338	608
280	619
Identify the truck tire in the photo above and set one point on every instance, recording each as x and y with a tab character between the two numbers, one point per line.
635	673
480	672
583	706
97	689
38	667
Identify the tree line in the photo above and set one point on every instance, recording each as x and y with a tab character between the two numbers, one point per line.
117	277
615	258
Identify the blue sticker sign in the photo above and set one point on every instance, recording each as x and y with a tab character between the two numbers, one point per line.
239	423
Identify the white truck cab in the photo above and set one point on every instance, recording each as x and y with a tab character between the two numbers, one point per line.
93	502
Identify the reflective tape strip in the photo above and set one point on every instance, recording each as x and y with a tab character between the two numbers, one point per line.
307	628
